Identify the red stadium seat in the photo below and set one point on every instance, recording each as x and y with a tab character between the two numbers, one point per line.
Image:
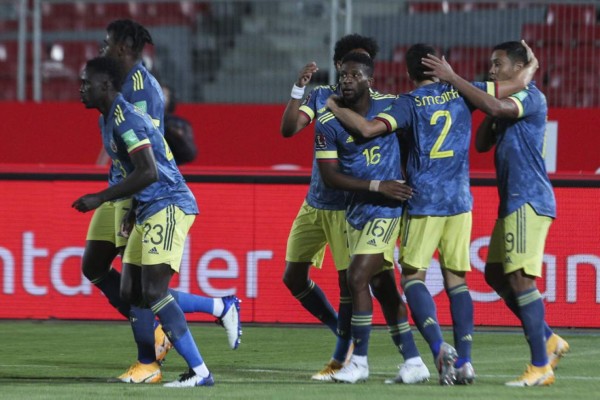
168	13
587	35
472	63
8	88
60	89
428	7
565	14
539	35
72	53
8	58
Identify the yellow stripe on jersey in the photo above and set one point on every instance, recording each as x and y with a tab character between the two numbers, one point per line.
138	81
379	96
138	144
390	120
308	111
490	88
119	116
328	116
519	105
326	154
156	122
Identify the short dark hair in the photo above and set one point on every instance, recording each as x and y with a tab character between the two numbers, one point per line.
352	42
108	66
514	50
131	32
360	58
416	69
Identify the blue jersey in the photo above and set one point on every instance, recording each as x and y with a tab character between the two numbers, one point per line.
141	89
320	196
437	121
127	130
520	168
377	158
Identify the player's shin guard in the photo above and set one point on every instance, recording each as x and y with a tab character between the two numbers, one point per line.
461	308
532	317
142	325
313	299
511	302
344	330
361	331
175	326
423	312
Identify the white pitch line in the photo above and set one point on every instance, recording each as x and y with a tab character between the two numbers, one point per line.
559	376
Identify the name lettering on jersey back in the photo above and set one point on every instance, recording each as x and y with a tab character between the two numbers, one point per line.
424	101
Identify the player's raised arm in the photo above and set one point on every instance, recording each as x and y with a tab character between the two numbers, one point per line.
354	122
293	120
488	104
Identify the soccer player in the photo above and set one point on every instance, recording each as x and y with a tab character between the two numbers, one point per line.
166	209
517	126
369	170
438	216
320	220
124	43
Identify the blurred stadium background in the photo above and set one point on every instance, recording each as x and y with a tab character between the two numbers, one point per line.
233	51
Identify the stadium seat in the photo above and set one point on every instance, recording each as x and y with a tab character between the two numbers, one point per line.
63	16
566	14
8	88
587	35
74	53
472	63
168	13
60	89
428	7
8	58
539	35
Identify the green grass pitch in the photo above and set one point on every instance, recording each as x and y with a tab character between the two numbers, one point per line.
73	360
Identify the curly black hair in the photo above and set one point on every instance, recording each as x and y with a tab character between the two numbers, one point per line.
352	42
131	32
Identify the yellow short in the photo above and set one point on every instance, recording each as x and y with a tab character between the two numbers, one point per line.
518	241
377	236
312	230
106	222
422	235
159	239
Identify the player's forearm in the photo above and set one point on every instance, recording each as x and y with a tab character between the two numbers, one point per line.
480	99
291	121
517	82
357	124
485	138
340	181
133	183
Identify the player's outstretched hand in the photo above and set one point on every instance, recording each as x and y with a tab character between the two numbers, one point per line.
306	73
87	203
439	68
396	190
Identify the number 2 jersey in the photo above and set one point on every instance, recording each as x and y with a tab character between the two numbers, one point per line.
437	122
127	130
369	159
